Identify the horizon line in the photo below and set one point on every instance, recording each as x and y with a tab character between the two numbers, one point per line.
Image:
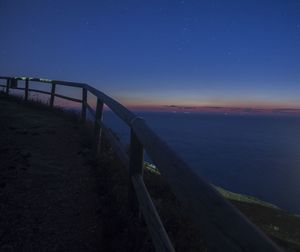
216	109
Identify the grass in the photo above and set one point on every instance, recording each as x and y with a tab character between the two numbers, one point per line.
243	198
41	105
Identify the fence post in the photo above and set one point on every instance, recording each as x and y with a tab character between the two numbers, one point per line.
52	94
26	89
84	101
98	120
7	86
136	164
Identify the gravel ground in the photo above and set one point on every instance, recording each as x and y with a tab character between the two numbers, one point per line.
49	199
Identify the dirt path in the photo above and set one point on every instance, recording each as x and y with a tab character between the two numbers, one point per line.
48	194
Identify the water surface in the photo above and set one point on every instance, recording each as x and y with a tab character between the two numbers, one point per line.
255	155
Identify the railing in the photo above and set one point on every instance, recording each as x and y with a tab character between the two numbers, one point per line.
224	227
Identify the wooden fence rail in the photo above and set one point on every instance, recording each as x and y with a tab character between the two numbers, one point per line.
224	227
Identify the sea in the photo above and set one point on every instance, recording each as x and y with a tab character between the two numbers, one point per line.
257	155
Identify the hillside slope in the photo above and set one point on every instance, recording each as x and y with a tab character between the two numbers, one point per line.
55	196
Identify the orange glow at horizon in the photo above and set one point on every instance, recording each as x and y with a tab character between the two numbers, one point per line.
265	105
241	107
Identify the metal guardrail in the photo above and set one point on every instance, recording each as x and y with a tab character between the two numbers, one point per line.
224	227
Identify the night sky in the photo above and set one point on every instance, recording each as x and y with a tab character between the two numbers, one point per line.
146	53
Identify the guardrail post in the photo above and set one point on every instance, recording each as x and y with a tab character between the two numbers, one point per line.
136	163
26	89
7	86
98	121
84	101
52	94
